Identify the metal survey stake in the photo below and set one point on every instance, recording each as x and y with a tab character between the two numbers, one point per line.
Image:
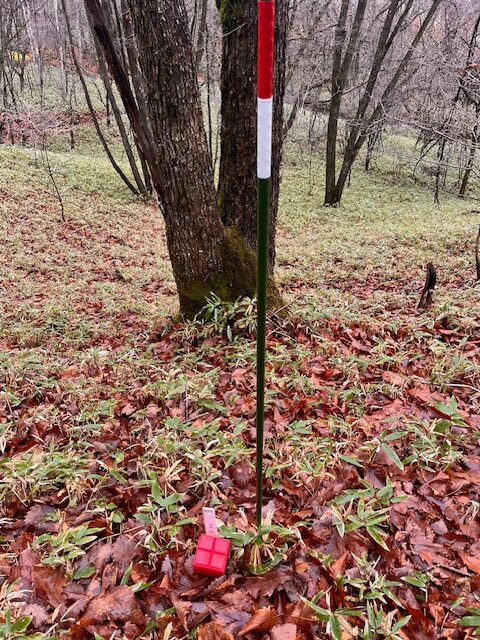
266	30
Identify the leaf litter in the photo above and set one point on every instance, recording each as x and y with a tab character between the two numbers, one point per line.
390	525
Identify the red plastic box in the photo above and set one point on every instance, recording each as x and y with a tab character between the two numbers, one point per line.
211	556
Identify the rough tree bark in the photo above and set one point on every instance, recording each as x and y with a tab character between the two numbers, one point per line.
201	35
238	162
237	189
206	256
335	104
341	67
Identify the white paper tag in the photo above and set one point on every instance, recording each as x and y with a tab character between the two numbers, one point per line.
210	522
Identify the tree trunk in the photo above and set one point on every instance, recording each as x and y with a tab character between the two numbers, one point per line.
237	186
136	83
112	101
237	189
279	86
206	257
339	79
371	142
201	36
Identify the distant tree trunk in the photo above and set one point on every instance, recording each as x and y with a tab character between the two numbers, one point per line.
471	157
440	171
237	190
205	255
475	132
61	49
111	100
443	136
362	122
31	26
335	104
137	87
91	109
372	141
340	69
201	35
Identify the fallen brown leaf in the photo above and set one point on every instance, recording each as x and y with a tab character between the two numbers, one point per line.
182	607
472	563
395	379
213	631
302	616
338	567
268	584
36	519
262	620
284	632
231	618
118	606
48	585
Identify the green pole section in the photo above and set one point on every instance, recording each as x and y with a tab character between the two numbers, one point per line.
262	275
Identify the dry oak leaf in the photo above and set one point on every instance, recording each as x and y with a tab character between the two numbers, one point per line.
182	607
472	563
36	519
284	632
262	620
338	567
266	585
128	410
38	613
48	585
119	606
302	616
213	631
231	618
395	379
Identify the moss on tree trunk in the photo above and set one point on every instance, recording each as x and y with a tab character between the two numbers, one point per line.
237	278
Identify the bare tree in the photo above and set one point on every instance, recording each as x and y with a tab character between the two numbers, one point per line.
396	15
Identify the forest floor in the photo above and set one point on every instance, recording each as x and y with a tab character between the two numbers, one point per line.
117	423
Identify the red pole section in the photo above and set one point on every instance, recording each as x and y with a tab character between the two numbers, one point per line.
266	29
266	33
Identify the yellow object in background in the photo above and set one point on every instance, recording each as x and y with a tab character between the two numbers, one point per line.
18	56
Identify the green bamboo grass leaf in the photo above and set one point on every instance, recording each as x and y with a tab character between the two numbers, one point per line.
378	535
334	627
86	572
392	456
22	624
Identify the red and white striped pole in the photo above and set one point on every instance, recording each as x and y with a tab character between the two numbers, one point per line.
266	30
